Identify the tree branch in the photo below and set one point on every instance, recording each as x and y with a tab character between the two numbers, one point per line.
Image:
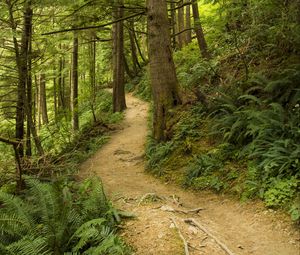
97	26
8	141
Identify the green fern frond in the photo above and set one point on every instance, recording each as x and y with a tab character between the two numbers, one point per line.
29	245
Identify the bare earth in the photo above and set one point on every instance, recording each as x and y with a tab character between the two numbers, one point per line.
161	209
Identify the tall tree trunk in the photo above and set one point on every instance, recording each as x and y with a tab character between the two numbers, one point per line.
173	24
61	85
135	61
92	73
55	92
21	89
199	31
188	33
28	32
43	99
163	78
28	101
74	88
37	102
119	103
181	36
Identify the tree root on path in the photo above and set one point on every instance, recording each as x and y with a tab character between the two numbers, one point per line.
153	197
185	243
171	209
193	222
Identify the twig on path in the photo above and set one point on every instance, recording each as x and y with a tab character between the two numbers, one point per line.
171	209
222	245
185	243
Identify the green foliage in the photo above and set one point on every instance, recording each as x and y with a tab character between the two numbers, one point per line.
281	191
157	154
202	165
58	217
142	88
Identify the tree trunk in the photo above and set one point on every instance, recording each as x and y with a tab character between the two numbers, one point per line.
135	61
92	71
119	103
181	36
74	85
163	78
188	33
60	85
21	89
43	99
173	24
199	31
55	92
28	36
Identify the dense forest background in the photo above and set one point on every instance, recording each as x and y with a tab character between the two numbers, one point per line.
222	78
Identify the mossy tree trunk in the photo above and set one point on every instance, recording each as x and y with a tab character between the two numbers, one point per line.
163	78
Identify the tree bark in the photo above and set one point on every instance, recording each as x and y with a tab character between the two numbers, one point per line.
74	84
135	62
43	99
119	103
181	36
163	78
173	24
92	71
188	33
21	90
28	36
199	31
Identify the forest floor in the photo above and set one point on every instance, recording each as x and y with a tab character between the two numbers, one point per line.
162	209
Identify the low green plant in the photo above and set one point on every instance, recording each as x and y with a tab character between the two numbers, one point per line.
202	165
157	154
281	191
57	218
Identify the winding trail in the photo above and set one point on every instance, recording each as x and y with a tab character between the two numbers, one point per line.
244	228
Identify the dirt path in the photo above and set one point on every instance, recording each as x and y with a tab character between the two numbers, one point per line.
244	229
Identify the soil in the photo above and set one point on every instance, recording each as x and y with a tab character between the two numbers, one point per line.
161	209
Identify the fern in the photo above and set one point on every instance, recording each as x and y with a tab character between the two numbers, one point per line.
47	220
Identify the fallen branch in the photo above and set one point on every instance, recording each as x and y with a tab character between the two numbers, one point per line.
185	243
196	224
171	209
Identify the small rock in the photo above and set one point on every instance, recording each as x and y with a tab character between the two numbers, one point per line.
240	247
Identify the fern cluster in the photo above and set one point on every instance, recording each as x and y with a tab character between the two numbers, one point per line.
57	218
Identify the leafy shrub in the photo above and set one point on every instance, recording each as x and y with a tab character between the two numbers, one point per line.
58	218
281	192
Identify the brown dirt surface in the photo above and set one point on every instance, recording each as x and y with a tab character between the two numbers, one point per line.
244	228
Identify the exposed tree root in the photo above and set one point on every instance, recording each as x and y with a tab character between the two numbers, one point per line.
185	243
171	209
196	224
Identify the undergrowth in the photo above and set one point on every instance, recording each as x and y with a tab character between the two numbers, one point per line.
59	217
243	137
